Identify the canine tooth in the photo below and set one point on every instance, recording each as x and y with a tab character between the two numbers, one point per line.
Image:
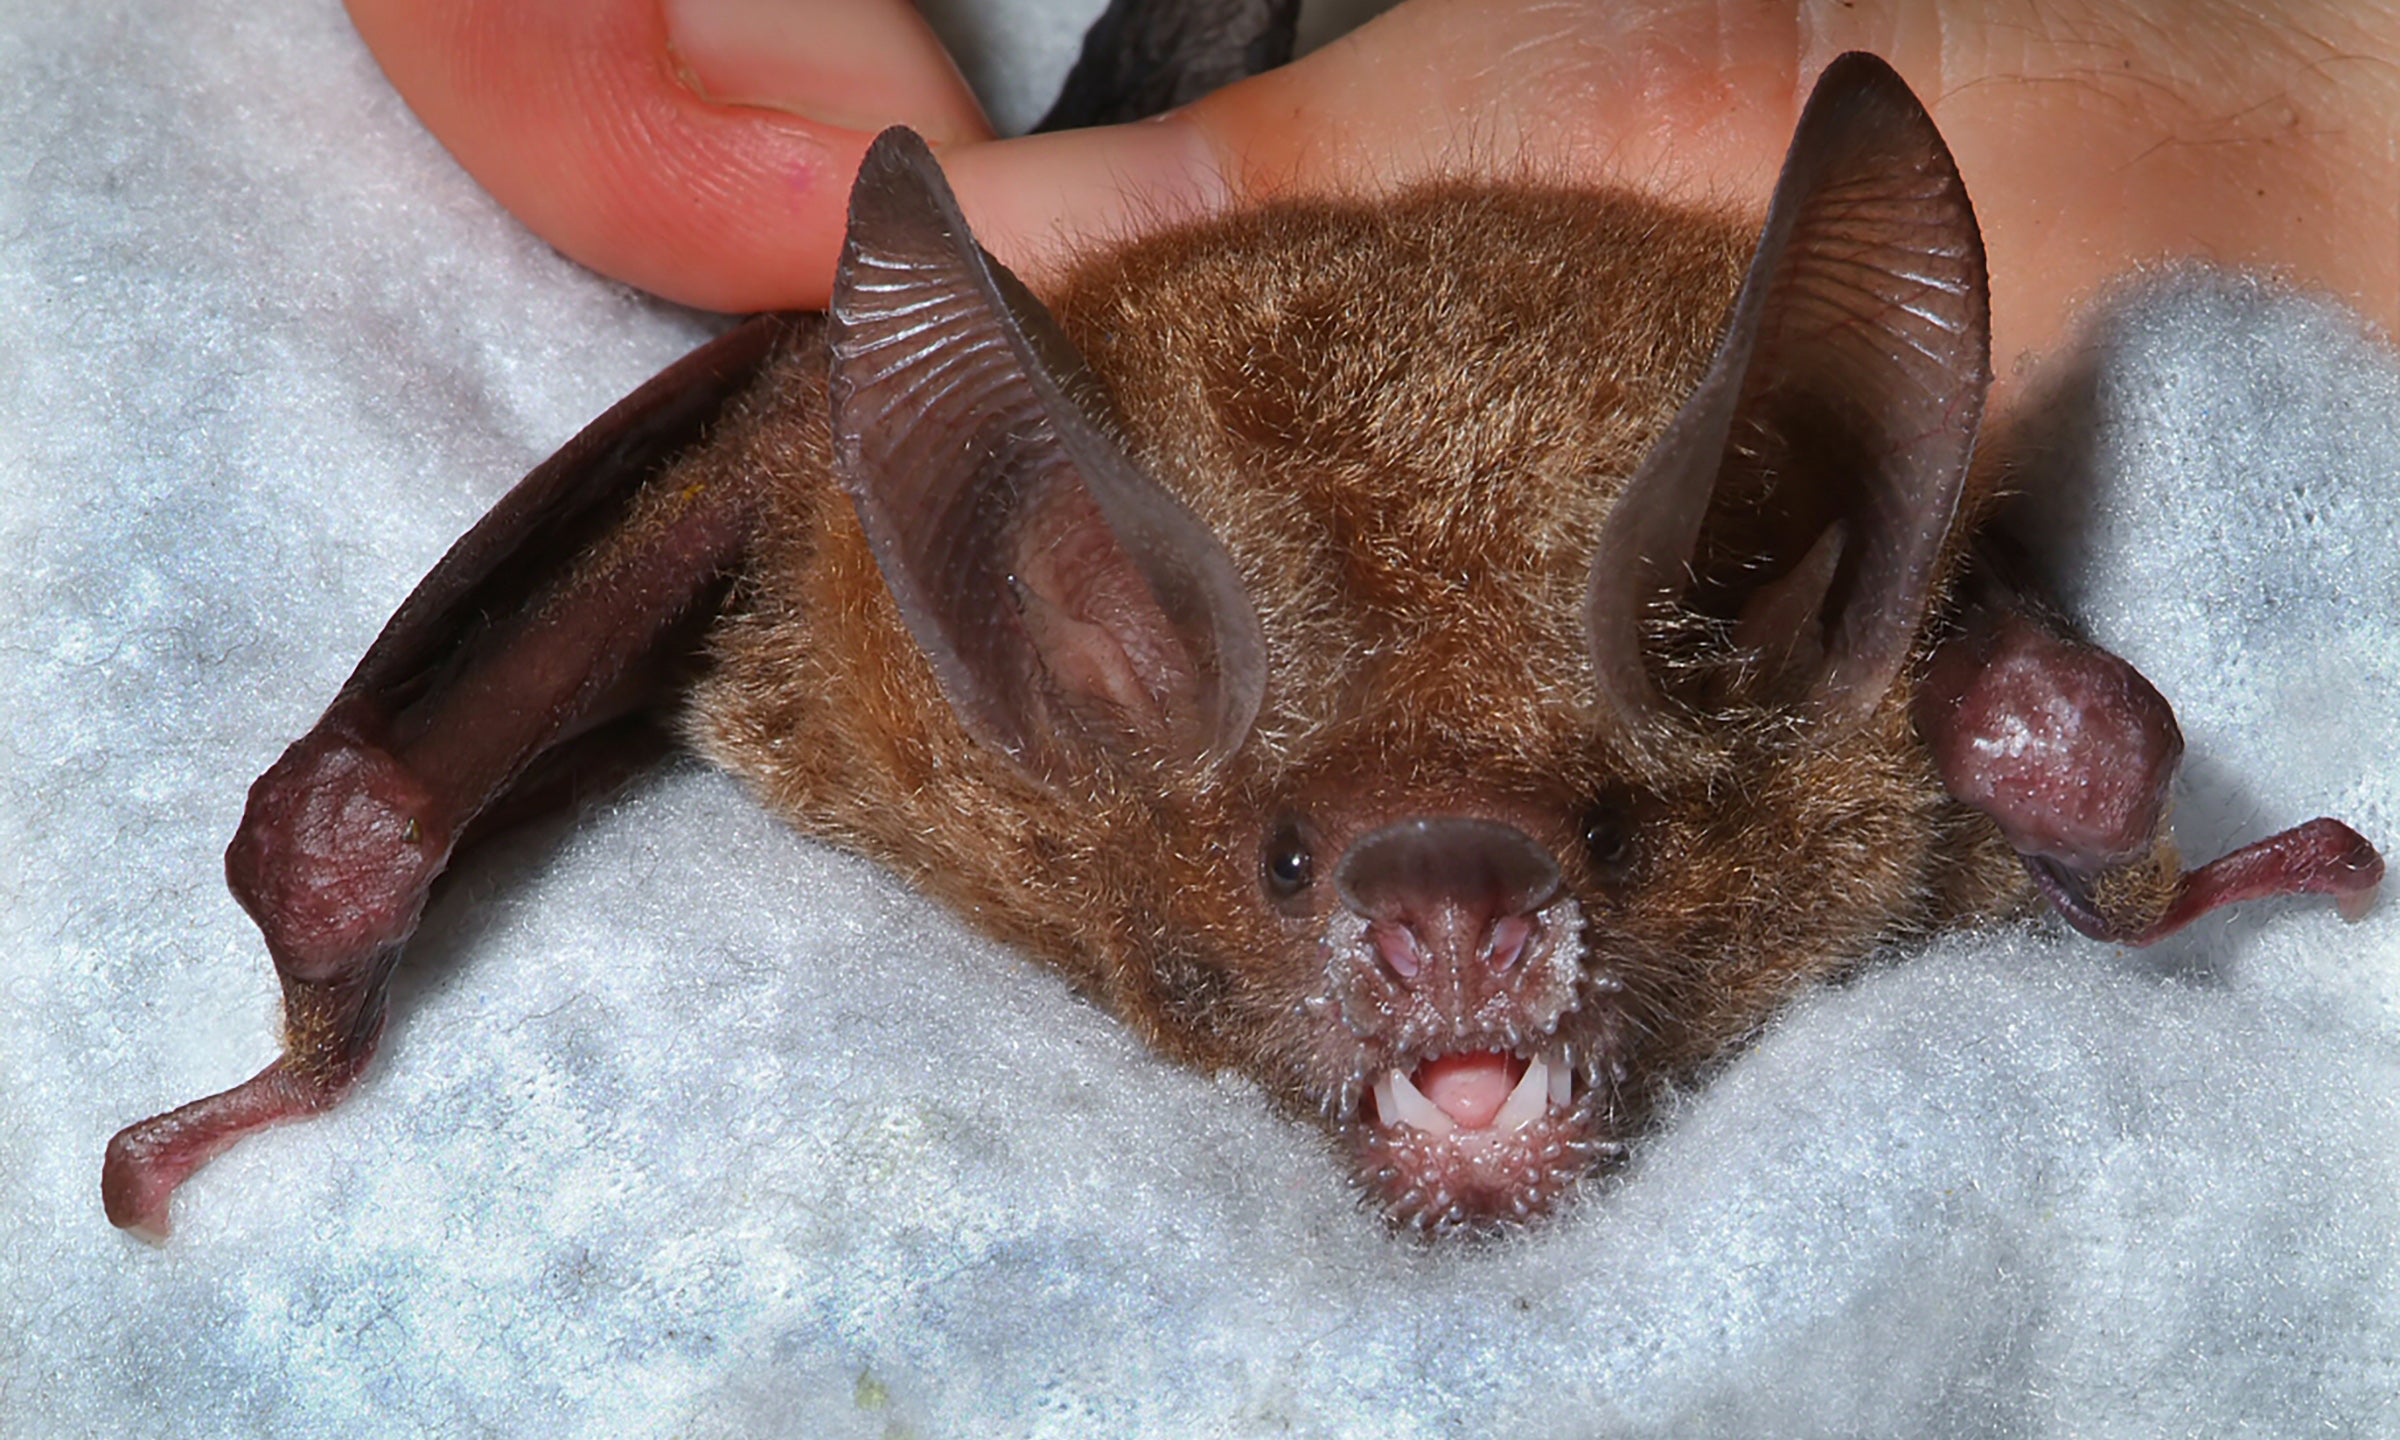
1562	1081
1528	1101
1400	1102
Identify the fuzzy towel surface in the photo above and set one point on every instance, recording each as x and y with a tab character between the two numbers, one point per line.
685	1125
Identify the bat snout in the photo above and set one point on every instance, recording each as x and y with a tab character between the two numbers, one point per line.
1454	958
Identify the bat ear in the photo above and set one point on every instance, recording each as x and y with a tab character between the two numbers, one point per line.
1073	610
1801	500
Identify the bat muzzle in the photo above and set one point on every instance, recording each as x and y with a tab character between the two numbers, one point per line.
1451	961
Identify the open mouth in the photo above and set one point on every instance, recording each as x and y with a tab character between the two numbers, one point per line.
1476	1136
1474	1090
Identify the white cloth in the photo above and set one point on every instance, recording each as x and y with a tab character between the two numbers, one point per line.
685	1125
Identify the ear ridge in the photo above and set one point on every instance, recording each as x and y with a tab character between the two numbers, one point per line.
966	428
1862	327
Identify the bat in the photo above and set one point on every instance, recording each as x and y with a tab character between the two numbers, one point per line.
1462	660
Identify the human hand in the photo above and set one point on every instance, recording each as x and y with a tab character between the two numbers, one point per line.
703	149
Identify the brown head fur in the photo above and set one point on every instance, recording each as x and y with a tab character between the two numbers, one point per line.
1406	422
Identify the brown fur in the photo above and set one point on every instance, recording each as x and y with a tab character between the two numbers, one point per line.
1406	422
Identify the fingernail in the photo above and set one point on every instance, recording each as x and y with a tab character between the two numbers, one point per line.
836	62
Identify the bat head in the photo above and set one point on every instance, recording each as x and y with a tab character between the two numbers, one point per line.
1437	680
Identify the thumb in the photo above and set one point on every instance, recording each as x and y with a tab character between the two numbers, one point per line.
1675	98
703	149
700	149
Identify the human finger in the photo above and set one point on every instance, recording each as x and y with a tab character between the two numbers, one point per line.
700	149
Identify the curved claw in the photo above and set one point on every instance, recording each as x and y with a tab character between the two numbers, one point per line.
2322	857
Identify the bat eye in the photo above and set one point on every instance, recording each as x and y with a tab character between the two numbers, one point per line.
1288	866
1609	837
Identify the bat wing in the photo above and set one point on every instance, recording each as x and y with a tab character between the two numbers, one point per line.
1142	57
528	657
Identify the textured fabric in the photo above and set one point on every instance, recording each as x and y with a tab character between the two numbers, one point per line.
686	1126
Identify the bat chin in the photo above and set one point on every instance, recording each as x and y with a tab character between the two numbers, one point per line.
1471	1139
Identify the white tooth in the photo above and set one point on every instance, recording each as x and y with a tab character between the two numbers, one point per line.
1526	1103
1562	1081
1400	1102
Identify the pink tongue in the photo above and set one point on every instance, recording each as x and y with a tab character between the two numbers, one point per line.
1470	1088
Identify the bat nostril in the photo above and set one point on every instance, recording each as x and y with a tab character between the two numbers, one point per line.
1494	946
1400	949
1449	892
1504	943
